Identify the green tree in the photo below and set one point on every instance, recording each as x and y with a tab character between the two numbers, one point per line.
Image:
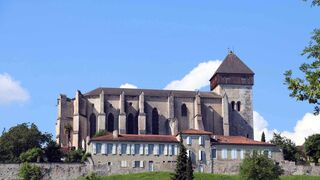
288	147
263	137
20	139
77	156
189	169
259	167
32	155
308	87
52	152
181	168
29	172
312	147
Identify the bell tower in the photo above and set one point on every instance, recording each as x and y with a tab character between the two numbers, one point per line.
234	80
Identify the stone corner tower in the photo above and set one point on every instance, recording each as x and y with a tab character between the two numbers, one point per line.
234	80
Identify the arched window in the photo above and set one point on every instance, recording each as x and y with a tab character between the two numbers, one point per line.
238	105
184	110
232	105
132	124
155	121
93	124
110	123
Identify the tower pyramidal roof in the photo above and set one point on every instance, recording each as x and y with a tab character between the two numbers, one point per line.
233	65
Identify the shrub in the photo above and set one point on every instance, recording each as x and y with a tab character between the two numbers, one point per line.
100	133
92	176
32	155
77	156
29	172
259	167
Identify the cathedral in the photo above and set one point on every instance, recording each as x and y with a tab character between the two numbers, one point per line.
224	110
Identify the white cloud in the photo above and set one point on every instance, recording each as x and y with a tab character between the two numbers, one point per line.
11	90
197	78
129	86
308	125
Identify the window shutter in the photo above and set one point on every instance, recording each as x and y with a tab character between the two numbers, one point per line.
170	150
141	149
188	140
114	149
141	164
269	154
119	148
242	154
146	149
132	148
128	149
103	148
175	149
166	150
156	149
94	148
133	164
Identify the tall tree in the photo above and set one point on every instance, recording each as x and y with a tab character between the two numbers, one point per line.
181	168
288	147
189	169
312	147
307	88
20	139
263	137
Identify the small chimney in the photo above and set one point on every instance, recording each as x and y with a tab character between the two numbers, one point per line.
115	134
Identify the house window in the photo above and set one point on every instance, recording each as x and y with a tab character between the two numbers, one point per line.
98	148
123	148
124	164
213	153
224	153
201	140
234	154
184	110
238	105
150	148
202	155
161	149
189	140
242	154
137	164
109	148
136	148
232	105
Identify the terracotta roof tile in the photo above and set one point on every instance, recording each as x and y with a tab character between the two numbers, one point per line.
237	140
196	131
136	138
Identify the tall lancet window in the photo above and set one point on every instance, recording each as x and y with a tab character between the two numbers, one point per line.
184	110
155	121
110	123
132	124
93	124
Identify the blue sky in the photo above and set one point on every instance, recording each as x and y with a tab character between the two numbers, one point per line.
53	47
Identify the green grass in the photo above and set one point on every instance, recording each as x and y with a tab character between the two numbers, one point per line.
198	176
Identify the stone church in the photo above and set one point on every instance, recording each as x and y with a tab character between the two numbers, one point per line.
225	110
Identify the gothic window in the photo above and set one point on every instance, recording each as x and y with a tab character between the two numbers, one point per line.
238	105
93	123
132	124
184	110
155	121
110	123
232	105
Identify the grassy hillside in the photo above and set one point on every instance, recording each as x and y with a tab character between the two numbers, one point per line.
198	176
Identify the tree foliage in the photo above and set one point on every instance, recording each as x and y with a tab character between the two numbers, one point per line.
20	139
289	149
189	169
263	137
259	167
30	172
52	152
308	87
312	147
182	160
32	155
78	156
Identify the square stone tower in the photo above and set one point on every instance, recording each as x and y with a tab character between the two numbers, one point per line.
233	80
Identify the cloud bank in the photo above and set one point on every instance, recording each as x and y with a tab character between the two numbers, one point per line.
197	78
11	91
128	86
308	125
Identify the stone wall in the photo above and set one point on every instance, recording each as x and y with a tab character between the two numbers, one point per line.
291	169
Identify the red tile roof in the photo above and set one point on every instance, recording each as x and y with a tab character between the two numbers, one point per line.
137	138
237	140
195	132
